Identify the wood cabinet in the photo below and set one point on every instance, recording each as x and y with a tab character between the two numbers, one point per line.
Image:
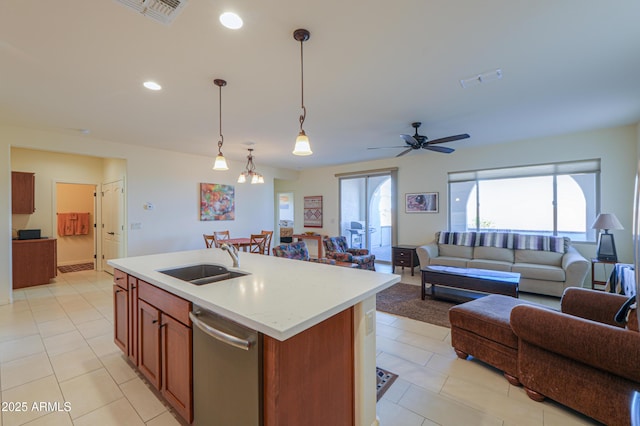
34	262
156	326
311	375
132	309
22	193
121	312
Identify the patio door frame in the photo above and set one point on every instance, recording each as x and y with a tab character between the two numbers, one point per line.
392	172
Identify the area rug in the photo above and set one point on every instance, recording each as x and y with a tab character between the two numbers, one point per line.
76	268
384	380
404	300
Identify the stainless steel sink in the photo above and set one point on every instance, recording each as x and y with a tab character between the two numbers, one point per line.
202	274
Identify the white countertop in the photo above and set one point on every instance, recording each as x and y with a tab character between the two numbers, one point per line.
280	297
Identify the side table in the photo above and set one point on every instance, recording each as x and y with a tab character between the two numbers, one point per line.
595	261
404	255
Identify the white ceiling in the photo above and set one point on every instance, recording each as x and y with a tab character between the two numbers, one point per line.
371	68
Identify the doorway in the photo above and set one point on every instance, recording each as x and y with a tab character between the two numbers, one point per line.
367	212
75	219
285	216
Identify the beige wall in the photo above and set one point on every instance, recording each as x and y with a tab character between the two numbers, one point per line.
427	171
169	180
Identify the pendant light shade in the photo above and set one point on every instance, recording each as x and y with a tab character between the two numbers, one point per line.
302	147
220	163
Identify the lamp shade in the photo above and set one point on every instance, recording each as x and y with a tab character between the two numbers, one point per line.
220	163
302	146
607	221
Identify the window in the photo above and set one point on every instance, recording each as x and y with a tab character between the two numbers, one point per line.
558	199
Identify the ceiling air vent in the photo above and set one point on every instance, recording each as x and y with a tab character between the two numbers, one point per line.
164	11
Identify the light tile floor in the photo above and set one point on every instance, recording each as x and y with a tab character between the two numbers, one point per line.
56	346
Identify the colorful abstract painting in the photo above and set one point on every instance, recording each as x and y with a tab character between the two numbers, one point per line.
217	202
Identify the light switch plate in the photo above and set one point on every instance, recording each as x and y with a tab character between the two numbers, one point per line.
369	321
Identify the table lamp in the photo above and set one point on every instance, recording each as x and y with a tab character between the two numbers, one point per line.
606	245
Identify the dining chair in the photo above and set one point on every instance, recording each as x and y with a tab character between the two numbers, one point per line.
209	240
257	243
267	245
220	236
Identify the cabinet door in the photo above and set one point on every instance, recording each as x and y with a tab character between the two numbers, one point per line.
149	342
22	193
177	366
121	318
133	319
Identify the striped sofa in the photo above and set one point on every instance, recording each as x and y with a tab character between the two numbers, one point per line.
547	265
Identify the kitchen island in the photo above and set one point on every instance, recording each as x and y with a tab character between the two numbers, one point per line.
299	308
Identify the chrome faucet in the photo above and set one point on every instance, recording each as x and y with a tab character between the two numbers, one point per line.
233	252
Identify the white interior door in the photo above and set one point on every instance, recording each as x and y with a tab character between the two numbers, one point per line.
112	222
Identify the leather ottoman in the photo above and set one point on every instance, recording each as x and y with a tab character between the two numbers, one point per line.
481	328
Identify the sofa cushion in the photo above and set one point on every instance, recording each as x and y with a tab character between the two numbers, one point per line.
538	257
493	253
457	238
495	239
541	242
539	272
450	261
450	250
493	265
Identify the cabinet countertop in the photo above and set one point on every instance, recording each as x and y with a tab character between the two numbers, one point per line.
279	297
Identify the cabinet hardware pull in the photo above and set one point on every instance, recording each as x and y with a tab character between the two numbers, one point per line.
118	291
154	321
119	278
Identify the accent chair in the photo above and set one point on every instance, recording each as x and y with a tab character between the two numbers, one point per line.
298	251
337	249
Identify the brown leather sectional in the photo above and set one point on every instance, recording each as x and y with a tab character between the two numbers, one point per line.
579	357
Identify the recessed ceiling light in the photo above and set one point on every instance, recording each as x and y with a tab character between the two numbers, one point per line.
231	20
152	85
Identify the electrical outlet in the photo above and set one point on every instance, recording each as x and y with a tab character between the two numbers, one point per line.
369	321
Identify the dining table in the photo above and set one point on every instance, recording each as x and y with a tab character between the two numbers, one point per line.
241	243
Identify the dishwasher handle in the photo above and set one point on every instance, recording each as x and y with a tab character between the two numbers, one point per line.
237	342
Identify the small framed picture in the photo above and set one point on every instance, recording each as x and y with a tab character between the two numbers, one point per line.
421	202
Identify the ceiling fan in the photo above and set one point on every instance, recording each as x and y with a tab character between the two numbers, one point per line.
417	141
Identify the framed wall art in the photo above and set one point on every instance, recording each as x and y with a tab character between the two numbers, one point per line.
217	202
313	212
421	202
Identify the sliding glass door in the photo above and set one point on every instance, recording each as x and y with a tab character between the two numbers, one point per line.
367	211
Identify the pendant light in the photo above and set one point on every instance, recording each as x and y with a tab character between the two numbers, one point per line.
220	163
302	146
250	171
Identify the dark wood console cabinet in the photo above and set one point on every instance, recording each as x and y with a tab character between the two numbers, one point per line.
34	262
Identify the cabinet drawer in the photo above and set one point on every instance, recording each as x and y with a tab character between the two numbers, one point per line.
403	261
120	278
168	303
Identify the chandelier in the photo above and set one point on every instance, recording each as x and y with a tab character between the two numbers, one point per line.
250	171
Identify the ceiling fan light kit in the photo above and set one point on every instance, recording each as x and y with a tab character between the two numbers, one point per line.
417	141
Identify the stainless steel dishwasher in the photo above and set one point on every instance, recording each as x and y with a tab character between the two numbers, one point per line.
227	371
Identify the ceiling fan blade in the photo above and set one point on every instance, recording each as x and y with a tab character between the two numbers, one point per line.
443	149
450	139
387	147
409	139
404	152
